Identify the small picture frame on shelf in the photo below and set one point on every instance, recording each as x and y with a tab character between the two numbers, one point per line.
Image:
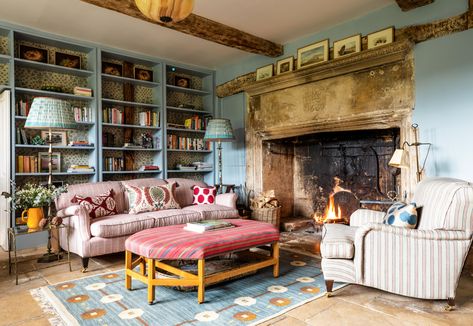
58	138
183	82
264	72
143	74
33	54
43	159
347	46
67	60
312	54
284	65
114	69
380	38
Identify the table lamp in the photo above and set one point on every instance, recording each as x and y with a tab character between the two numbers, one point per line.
50	114
219	130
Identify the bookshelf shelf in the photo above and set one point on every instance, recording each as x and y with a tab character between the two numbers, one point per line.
187	90
4	58
45	174
188	150
131	149
53	68
190	171
127	103
138	82
173	108
117	125
186	130
84	148
133	172
66	96
84	123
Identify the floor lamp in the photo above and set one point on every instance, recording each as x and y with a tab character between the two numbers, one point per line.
219	130
400	158
47	113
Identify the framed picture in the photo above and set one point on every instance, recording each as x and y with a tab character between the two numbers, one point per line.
58	138
33	54
43	161
312	54
380	38
183	82
284	65
264	72
143	74
67	60
347	46
110	68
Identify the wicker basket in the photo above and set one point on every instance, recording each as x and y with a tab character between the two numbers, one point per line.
268	215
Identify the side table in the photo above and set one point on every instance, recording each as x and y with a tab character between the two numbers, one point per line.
18	232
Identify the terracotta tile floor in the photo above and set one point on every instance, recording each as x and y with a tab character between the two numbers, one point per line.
352	305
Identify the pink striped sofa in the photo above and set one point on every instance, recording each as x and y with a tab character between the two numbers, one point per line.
423	263
94	237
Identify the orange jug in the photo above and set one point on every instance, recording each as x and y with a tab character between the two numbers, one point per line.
34	215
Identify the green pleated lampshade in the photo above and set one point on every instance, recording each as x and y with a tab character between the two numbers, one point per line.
219	129
50	113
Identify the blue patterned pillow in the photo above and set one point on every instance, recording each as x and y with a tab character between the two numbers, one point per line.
402	214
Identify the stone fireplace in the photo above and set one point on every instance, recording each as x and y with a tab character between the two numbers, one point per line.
313	132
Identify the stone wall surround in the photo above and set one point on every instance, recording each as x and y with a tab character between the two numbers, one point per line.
373	89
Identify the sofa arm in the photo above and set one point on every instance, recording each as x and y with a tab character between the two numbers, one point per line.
78	219
228	200
364	216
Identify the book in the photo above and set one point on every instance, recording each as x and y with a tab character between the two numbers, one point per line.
208	225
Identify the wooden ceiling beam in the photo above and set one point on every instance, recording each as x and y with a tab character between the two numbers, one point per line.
407	5
201	27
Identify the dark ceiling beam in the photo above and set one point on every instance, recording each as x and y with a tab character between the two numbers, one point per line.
201	27
407	5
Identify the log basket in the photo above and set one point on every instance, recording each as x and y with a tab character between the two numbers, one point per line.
269	215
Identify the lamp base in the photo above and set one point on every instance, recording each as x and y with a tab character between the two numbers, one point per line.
49	258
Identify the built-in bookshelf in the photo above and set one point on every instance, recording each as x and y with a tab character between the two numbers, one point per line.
130	116
189	107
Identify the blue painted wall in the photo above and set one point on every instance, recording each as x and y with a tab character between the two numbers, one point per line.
444	84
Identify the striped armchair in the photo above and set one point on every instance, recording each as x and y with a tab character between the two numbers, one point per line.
423	263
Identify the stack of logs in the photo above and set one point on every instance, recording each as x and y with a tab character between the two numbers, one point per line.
266	199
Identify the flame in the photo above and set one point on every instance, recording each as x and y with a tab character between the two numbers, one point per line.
332	213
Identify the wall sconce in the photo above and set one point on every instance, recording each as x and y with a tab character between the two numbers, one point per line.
400	158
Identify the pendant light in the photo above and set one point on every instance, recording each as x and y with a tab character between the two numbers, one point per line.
165	11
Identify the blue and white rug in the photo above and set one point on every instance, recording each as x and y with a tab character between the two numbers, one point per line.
103	299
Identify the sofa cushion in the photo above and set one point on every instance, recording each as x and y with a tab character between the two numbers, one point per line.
146	182
173	216
98	206
120	225
213	212
147	199
92	189
338	241
204	195
184	193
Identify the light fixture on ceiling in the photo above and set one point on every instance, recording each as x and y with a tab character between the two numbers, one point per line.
165	11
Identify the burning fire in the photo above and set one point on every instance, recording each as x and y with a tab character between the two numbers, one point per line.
332	214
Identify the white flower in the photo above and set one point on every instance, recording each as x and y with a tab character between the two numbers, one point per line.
95	286
305	279
111	298
277	289
245	301
130	313
206	316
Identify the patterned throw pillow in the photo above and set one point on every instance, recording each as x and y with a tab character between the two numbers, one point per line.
98	206
204	195
402	214
147	199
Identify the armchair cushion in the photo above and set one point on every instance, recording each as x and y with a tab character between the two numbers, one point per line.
364	216
402	215
338	241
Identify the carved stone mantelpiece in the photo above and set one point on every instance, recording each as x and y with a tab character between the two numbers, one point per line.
373	89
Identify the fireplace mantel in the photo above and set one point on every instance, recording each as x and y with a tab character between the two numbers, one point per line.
373	89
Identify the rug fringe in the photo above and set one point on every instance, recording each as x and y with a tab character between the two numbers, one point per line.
47	307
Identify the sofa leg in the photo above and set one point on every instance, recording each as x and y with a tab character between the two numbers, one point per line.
85	264
329	286
450	304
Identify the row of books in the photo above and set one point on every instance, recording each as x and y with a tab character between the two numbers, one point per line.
22	108
187	143
112	115
27	164
83	114
145	118
80	169
114	164
197	122
149	118
21	137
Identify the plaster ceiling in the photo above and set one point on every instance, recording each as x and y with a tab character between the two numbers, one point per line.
276	20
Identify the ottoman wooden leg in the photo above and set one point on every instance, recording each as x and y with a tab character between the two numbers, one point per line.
151	274
201	276
275	254
127	267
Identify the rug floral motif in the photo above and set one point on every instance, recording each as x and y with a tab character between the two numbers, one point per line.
103	299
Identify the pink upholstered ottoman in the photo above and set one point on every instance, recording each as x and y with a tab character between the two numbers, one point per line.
173	242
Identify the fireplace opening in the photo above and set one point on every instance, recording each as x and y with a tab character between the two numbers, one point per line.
310	172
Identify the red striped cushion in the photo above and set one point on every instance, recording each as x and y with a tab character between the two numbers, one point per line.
173	242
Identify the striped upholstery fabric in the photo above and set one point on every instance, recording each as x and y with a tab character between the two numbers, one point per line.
338	241
118	225
363	216
213	212
173	242
423	263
